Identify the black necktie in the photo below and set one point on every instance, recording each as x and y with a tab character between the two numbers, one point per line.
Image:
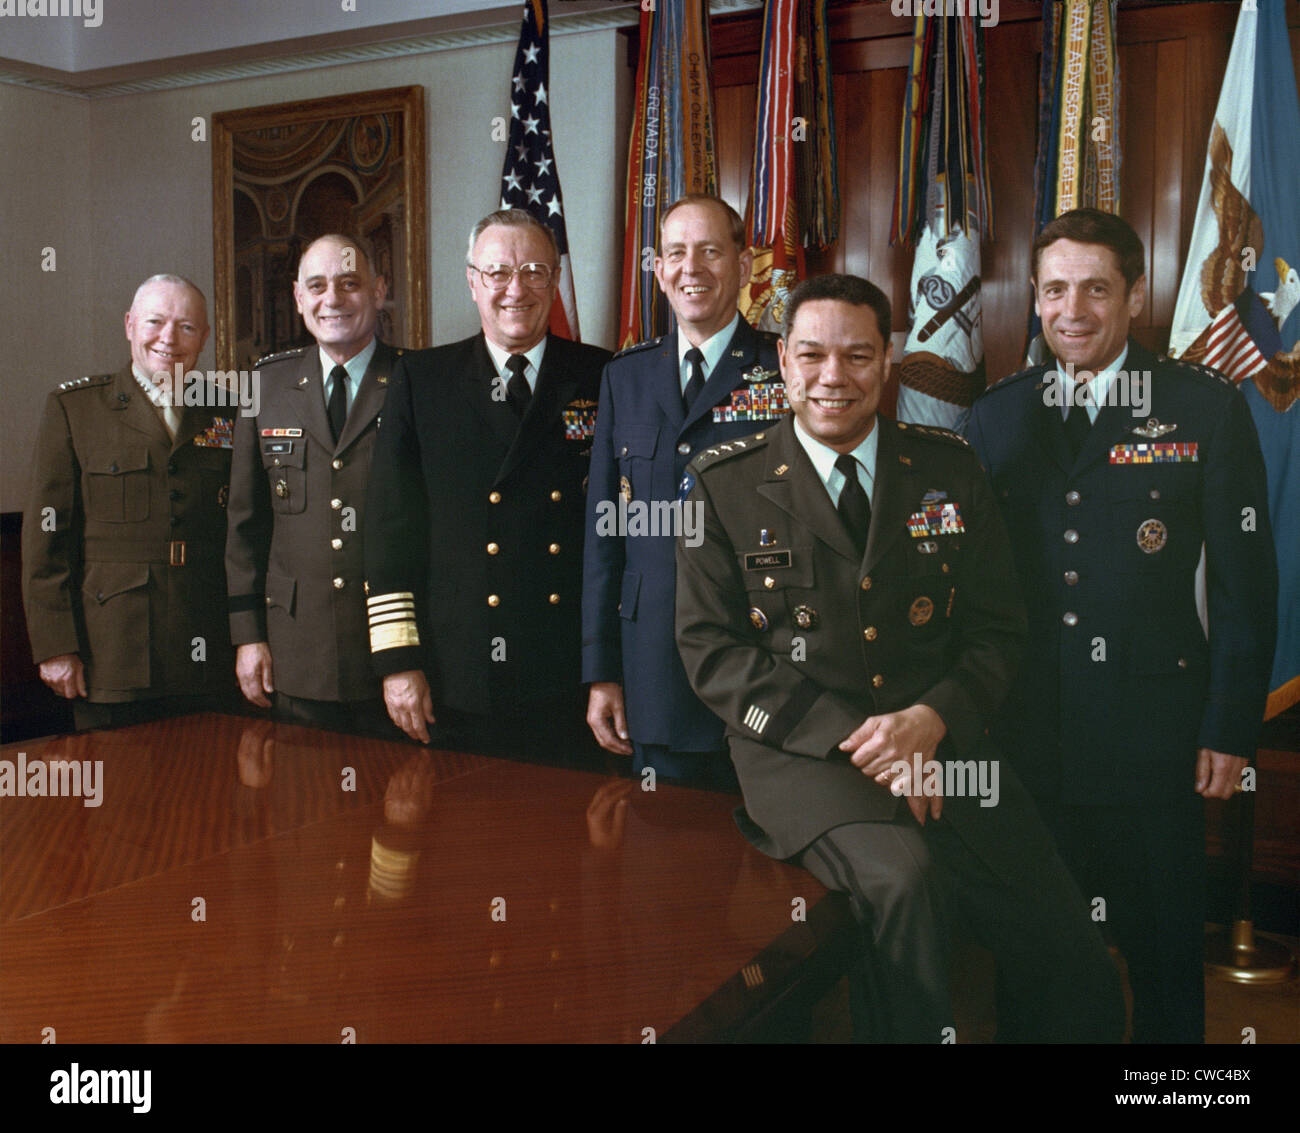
854	507
338	403
517	387
1076	428
694	377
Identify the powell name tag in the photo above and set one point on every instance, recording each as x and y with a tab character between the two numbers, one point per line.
766	560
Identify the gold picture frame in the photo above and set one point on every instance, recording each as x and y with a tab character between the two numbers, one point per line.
285	174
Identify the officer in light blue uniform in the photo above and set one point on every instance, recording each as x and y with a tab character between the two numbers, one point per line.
714	379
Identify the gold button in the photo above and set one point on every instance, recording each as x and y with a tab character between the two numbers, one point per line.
336	464
945	568
554	548
276	462
870	633
555	599
494	497
268	601
877	681
493	548
337	544
1182	662
866	583
339	584
556	496
1071	578
769	582
493	600
335	503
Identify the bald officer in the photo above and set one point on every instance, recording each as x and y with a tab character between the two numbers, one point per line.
125	524
297	493
473	537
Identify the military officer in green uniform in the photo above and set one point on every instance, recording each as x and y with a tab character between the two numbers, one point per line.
297	493
850	612
126	520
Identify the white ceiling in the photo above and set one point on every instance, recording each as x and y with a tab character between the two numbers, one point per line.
136	31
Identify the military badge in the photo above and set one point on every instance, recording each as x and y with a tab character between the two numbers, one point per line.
757	618
767	560
934	496
920	611
1167	452
625	488
220	434
936	519
765	538
1152	535
579	420
761	402
928	547
1153	429
281	489
756	373
805	617
684	488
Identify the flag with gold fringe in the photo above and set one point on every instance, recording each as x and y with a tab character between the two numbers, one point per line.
1078	161
670	152
1238	307
943	205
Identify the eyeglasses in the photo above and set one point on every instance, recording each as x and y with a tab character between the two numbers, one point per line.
498	276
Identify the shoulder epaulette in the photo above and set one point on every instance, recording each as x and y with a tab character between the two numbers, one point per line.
934	433
297	352
714	454
1197	368
1013	379
648	344
87	382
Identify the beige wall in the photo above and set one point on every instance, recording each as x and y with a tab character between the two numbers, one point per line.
119	189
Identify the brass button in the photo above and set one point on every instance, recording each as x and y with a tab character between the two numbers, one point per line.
684	448
554	548
623	451
276	462
866	583
877	681
1182	662
337	544
339	584
945	567
493	600
870	633
493	548
1070	618
336	464
1071	536
556	496
555	599
769	582
335	503
268	601
494	497
1071	578
1154	493
1072	498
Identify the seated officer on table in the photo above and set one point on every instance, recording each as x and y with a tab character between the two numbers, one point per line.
125	525
850	611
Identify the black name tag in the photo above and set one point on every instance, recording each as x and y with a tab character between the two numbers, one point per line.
767	560
277	448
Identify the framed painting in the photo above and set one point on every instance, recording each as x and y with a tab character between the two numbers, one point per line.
283	175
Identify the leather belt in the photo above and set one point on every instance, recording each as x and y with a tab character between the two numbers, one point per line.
171	552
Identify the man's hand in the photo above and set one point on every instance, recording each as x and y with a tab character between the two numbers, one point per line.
253	671
1217	775
605	708
882	742
66	675
409	703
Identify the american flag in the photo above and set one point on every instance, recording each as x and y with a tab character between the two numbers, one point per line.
1230	349
529	178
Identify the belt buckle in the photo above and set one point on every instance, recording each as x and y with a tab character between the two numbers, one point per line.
176	553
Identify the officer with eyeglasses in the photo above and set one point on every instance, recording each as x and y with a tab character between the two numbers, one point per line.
474	520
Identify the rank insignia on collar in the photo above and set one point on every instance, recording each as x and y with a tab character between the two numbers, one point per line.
382	379
684	488
1153	429
756	373
780	469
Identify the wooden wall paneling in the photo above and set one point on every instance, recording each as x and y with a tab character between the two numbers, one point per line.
1137	125
1169	140
734	140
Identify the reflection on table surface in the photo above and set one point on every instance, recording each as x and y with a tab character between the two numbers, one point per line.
242	881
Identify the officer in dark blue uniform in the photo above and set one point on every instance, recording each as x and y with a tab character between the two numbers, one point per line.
712	380
1113	469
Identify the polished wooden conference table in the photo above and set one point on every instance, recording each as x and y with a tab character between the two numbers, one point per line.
243	881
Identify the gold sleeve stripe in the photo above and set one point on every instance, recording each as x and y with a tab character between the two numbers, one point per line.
393	636
396	596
